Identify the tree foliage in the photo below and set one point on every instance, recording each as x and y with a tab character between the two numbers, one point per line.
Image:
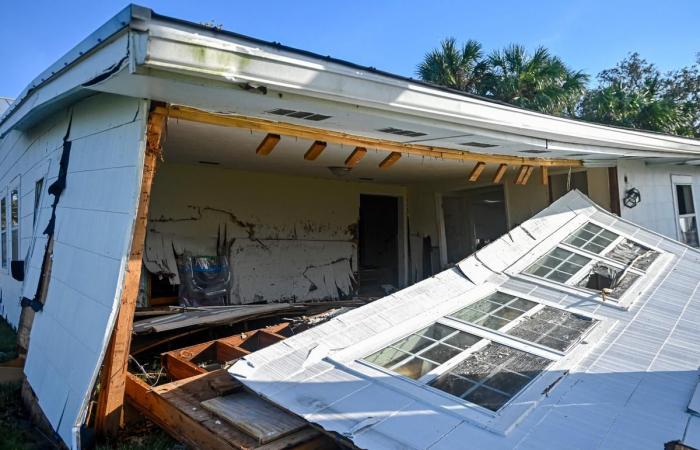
633	94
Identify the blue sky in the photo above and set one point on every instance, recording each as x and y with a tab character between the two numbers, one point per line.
391	35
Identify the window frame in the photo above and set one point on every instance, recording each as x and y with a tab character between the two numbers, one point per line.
487	336
4	253
517	270
15	186
684	180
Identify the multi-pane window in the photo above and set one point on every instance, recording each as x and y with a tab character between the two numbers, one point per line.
591	237
14	223
3	230
558	265
491	376
454	356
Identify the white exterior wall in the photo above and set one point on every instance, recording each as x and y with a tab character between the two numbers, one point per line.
657	210
92	237
294	237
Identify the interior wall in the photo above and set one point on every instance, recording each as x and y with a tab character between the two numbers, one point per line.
291	238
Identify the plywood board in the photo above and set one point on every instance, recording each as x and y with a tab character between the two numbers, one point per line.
254	416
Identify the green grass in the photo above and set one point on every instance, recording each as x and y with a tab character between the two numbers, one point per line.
8	342
156	440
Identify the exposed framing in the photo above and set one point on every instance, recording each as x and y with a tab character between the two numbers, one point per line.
114	370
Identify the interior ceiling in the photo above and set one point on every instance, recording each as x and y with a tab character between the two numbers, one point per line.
196	143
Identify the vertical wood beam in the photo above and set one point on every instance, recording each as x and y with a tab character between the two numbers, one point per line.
355	156
268	144
500	172
390	160
544	174
613	185
114	369
315	150
476	171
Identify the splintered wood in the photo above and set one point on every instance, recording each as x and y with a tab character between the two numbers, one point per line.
256	417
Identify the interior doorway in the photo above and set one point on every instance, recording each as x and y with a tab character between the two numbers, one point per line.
472	219
378	245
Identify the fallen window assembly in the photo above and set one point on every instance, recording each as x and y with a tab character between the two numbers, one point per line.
595	259
455	356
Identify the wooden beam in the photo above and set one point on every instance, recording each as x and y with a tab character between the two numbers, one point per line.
528	174
315	150
268	144
114	369
355	156
390	160
476	171
336	137
500	172
544	174
521	174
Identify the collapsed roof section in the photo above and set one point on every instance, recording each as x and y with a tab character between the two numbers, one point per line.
517	346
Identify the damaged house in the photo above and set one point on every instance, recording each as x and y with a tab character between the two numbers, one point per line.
162	162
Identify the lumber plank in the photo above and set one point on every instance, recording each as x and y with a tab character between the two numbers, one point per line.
522	171
268	144
476	171
500	172
254	416
528	174
315	150
114	370
336	137
544	175
355	156
390	160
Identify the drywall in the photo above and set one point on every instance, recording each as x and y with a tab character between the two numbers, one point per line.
92	236
657	210
291	238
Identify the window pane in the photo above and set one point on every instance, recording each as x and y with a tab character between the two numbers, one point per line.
414	368
493	315
14	205
689	230
591	237
440	353
494	375
553	328
4	248
15	244
436	331
684	193
387	357
3	214
38	187
569	264
412	344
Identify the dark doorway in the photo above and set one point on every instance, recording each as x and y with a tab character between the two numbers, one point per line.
379	244
473	218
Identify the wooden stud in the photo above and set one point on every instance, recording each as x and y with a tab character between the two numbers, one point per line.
390	160
528	173
268	144
315	150
544	174
500	172
336	137
522	171
114	369
355	156
476	171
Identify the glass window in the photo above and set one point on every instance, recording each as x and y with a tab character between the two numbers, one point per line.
591	237
491	376
14	223
685	199
494	311
3	229
687	222
38	188
558	265
421	352
553	328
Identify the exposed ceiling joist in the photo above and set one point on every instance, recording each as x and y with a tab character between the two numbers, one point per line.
390	160
355	156
528	174
500	172
335	137
268	144
476	171
315	150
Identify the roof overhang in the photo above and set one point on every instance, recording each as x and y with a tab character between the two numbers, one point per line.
141	54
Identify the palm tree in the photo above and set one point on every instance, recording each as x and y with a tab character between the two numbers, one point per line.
457	68
539	81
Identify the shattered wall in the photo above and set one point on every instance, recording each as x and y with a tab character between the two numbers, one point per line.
291	238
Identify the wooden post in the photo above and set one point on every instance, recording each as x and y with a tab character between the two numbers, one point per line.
544	173
114	369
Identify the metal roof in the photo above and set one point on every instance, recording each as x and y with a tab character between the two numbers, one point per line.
628	385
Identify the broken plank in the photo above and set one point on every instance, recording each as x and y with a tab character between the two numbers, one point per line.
476	171
254	416
355	156
390	160
268	144
500	172
315	150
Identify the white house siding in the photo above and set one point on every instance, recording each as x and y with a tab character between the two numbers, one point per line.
657	210
94	225
294	238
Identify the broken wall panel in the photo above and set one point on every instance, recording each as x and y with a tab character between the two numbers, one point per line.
70	334
291	238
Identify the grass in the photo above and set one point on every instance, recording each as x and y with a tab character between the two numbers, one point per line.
8	342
